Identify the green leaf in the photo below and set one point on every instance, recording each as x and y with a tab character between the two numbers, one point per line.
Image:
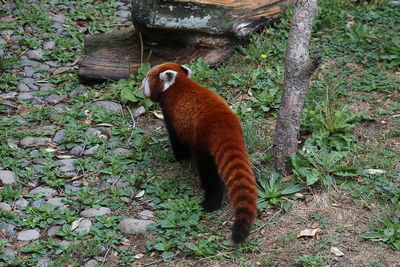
291	189
159	247
127	95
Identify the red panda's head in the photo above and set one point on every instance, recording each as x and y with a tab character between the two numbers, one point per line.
162	77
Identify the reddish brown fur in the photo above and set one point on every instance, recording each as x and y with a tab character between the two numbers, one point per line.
200	120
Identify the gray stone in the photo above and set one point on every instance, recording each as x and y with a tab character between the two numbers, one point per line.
27	62
35	54
124	14
44	262
130	226
52	64
26	96
56	201
9	228
4	206
121	151
54	98
91	150
47	192
59	136
38	203
65	243
22	202
7	177
28	81
44	67
28	235
6	34
81	88
109	106
91	263
84	225
16	38
8	95
53	230
30	141
23	88
92	132
44	129
67	165
104	185
113	144
92	212
139	112
58	18
146	214
28	71
72	188
77	150
49	45
37	168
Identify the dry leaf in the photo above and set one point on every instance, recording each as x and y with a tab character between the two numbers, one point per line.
13	146
50	149
64	156
158	114
375	171
75	224
139	256
336	205
336	252
308	232
315	225
61	70
140	194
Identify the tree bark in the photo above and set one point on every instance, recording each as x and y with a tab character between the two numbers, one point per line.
298	70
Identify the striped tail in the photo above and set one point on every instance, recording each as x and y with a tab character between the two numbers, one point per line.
234	168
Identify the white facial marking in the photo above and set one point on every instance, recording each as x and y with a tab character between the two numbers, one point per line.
168	77
189	71
145	84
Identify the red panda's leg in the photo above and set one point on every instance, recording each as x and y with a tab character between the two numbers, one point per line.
210	182
181	150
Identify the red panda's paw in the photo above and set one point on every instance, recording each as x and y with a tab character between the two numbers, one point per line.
239	233
212	202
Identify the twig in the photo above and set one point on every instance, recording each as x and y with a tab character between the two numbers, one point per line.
269	220
141	48
105	256
133	125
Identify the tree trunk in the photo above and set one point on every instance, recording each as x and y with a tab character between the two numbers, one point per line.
298	70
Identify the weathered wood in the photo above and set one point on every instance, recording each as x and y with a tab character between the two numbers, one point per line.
116	55
178	31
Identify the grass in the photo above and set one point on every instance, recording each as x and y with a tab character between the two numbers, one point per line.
350	124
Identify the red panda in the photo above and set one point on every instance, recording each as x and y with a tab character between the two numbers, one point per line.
199	122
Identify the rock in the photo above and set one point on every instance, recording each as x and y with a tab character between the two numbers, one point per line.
104	185
27	62
54	98
77	150
4	206
124	14
26	96
44	129
53	230
9	228
91	150
6	34
72	188
47	192
92	132
22	202
81	88
58	19
7	177
59	136
28	71
8	95
40	160
30	141
44	262
131	226
109	106
91	263
146	214
56	201
49	45
67	165
35	54
139	112
120	151
89	213
23	88
38	203
84	225
28	235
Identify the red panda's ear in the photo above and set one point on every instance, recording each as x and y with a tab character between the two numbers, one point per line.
168	77
187	71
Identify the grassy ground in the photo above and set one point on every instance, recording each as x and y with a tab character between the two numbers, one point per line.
347	171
